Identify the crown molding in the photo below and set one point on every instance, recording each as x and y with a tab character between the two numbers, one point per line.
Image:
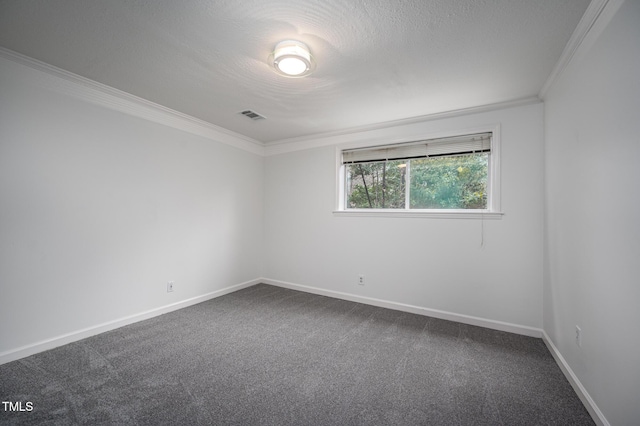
344	136
594	20
106	96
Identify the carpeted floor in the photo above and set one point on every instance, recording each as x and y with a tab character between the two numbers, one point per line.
271	356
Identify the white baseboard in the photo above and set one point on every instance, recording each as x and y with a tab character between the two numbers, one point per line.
582	393
74	336
465	319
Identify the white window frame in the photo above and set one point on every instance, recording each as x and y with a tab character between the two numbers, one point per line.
493	210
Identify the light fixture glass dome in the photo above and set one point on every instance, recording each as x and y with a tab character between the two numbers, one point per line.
292	59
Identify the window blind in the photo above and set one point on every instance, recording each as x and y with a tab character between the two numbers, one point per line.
458	145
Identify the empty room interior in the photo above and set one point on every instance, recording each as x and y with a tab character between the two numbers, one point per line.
268	182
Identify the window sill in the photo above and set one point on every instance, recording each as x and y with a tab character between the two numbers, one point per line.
432	214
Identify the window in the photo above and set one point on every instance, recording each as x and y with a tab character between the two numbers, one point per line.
454	175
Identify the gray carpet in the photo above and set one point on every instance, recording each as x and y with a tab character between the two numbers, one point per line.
270	356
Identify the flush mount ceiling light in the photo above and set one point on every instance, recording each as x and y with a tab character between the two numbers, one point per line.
291	58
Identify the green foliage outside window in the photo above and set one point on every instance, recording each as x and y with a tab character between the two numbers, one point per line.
379	185
453	182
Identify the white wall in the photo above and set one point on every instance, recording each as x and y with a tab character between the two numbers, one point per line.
592	250
429	263
100	209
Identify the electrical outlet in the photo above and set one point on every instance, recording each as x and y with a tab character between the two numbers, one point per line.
360	279
578	336
169	286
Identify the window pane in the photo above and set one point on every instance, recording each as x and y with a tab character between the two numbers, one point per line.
456	182
377	185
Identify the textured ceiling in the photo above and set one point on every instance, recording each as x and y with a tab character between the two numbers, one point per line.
377	60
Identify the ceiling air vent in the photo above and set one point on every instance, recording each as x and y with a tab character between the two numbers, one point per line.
252	115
